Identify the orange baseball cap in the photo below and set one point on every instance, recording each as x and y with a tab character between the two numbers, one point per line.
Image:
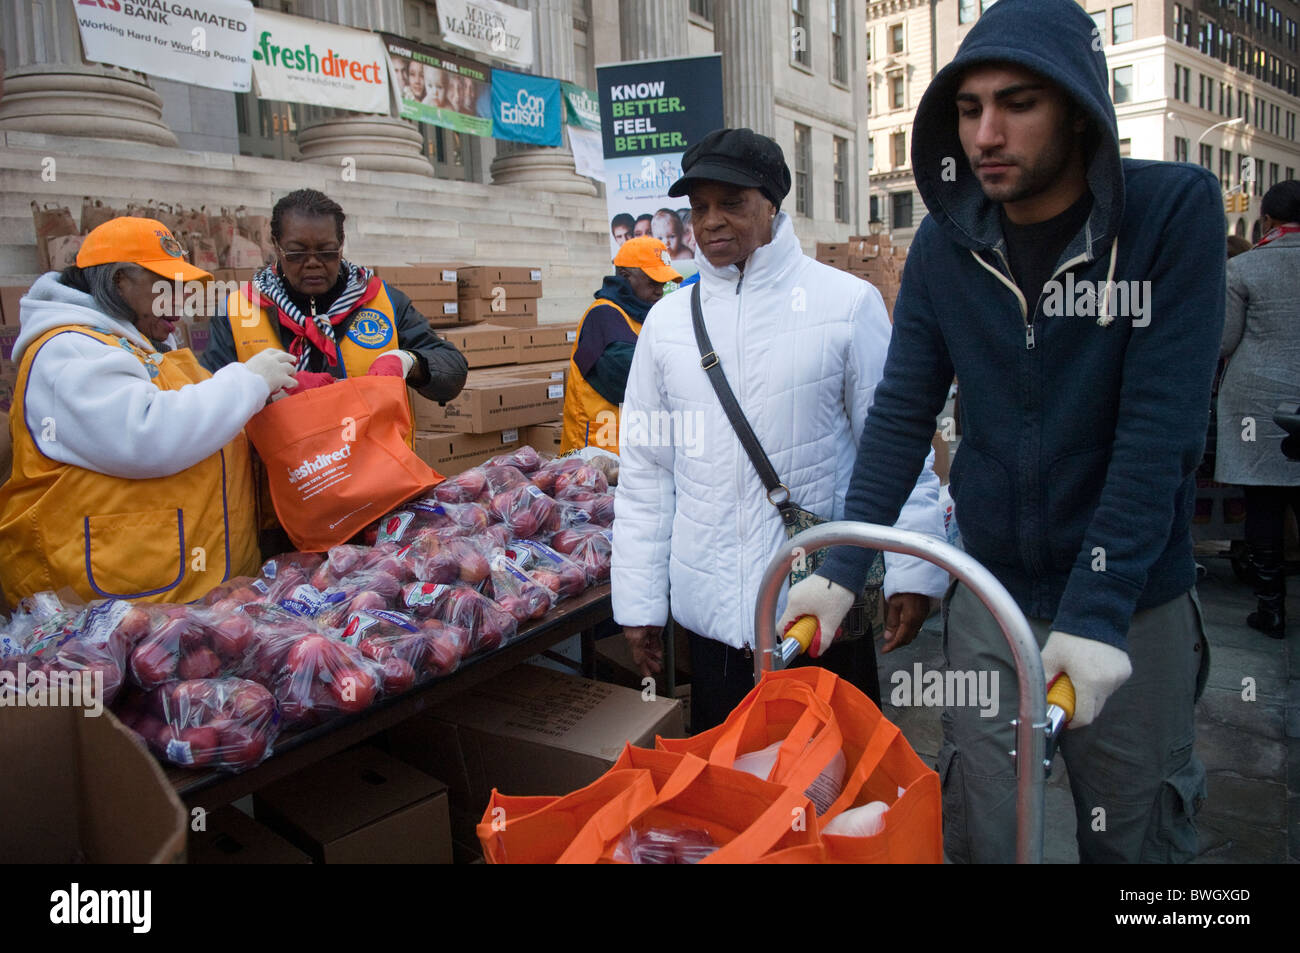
145	242
650	255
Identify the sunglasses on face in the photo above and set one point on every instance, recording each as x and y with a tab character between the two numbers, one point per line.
301	257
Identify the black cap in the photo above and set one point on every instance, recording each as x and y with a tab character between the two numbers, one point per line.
737	157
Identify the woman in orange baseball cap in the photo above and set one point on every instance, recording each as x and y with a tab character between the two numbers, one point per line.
131	474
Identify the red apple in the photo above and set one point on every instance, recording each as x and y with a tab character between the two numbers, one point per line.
353	689
204	742
398	675
202	663
232	637
242	746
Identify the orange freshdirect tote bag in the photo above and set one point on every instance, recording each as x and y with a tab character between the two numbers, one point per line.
879	761
336	458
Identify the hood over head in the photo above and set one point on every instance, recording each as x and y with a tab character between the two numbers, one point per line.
1057	40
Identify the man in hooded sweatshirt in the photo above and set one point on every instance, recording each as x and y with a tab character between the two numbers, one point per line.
606	339
1084	414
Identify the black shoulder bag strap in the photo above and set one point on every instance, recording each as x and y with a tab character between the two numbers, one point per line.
778	494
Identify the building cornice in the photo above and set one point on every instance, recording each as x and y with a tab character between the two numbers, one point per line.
803	109
885	8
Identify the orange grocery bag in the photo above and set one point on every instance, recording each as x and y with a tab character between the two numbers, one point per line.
879	763
336	458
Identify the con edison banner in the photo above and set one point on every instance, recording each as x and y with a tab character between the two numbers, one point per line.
527	108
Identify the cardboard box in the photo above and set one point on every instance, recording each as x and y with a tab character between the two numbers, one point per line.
486	345
550	342
433	282
493	403
234	274
514	320
83	790
833	253
482	281
232	837
9	297
531	731
545	370
545	438
452	453
498	311
360	807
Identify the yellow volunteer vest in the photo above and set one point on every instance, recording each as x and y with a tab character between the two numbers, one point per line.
169	539
372	332
587	415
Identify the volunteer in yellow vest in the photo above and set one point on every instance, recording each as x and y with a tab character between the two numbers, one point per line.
607	333
337	319
131	473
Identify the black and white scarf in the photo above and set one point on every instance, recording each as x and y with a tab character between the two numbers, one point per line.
314	331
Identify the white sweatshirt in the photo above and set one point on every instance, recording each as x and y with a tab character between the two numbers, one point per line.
97	405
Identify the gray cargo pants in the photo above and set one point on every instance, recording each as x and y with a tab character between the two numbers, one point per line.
1136	782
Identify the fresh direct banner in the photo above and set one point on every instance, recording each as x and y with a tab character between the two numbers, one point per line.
208	44
440	89
527	108
650	113
486	26
305	61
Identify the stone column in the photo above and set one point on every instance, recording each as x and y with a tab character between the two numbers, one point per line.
540	167
381	143
49	89
742	31
653	29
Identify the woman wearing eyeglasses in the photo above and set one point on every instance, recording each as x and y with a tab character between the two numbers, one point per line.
336	318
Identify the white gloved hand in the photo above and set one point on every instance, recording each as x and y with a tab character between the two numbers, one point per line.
817	596
1095	668
274	366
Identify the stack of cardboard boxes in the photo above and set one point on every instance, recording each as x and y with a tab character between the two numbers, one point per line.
871	257
514	396
8	335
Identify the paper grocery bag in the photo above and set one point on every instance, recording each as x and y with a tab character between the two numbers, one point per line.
62	251
242	253
52	221
336	458
95	213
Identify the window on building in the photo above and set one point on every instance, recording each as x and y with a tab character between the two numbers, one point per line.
873	213
985	4
1182	83
871	153
965	11
1099	19
703	8
1291	42
1121	22
898	146
1290	128
1207	157
1290	173
802	169
869	45
1126	147
896	91
841	179
1122	85
1243	105
896	38
1259	177
900	211
1225	168
800	52
1180	149
1180	22
1200	89
871	85
839	48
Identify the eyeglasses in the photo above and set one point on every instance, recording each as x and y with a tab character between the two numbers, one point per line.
301	257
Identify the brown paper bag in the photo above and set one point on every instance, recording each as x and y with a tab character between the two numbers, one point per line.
202	251
94	214
62	251
52	221
242	253
222	228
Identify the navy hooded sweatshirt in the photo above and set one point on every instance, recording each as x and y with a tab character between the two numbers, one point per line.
1081	431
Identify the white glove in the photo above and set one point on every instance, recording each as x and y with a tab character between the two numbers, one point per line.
1095	668
818	596
274	366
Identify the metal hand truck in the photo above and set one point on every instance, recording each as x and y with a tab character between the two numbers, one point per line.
1041	716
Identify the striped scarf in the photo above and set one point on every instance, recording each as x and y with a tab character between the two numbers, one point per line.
317	330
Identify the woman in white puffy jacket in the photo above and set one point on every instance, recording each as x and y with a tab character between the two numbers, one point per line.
802	346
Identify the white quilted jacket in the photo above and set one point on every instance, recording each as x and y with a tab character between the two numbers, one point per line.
803	346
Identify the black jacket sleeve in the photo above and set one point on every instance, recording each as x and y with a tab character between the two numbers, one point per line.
444	366
221	344
608	377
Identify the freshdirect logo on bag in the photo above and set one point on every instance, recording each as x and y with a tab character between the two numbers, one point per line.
306	61
322	461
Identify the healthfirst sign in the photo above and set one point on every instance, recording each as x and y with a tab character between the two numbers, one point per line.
650	113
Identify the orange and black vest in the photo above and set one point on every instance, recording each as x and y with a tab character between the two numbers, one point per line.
589	419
